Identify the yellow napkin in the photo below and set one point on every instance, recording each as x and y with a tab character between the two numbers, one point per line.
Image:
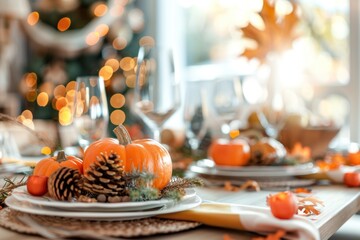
248	218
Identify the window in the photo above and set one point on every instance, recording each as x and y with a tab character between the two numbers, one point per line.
320	66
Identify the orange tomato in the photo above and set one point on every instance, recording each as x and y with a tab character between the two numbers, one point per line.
283	205
352	179
37	185
226	152
354	158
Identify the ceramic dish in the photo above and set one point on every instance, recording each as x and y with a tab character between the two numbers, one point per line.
21	194
171	207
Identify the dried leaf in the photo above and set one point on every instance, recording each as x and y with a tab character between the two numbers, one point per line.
278	34
272	236
309	205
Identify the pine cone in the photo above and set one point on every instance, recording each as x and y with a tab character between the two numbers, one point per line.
267	151
105	179
63	184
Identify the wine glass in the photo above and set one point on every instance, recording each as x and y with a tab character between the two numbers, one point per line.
90	112
157	88
196	113
226	101
274	110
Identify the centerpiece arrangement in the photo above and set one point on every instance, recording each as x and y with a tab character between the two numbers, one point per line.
111	171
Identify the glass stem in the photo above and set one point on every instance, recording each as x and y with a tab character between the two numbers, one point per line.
156	134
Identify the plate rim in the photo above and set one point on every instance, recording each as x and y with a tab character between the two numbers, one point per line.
46	201
17	205
251	171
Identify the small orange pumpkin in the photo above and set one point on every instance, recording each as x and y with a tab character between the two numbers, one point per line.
227	152
142	155
47	166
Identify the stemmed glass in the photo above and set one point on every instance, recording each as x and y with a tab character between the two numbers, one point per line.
90	112
157	88
196	113
227	100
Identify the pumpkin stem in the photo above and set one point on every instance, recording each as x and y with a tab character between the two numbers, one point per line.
61	156
122	135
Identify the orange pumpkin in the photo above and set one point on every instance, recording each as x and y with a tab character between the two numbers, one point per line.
229	152
47	166
142	155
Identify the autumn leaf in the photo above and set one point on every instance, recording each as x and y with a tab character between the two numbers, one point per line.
278	33
309	205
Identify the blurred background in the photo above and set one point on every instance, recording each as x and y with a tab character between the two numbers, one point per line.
306	67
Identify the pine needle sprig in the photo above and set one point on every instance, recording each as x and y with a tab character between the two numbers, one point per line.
8	186
176	188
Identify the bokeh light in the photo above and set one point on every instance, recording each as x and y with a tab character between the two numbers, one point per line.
127	63
92	38
117	117
60	103
106	72
64	24
65	117
33	18
100	9
59	91
102	29
42	99
119	43
147	40
113	63
117	100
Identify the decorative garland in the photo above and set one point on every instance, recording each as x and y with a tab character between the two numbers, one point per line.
73	42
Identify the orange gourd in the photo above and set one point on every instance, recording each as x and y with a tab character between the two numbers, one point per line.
47	166
138	155
227	152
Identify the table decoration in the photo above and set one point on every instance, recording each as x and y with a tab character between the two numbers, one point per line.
131	228
247	218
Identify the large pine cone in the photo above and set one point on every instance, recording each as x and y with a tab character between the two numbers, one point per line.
105	179
63	184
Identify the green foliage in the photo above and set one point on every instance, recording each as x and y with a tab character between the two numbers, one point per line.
9	185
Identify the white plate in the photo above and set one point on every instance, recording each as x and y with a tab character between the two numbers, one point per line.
208	167
21	194
27	207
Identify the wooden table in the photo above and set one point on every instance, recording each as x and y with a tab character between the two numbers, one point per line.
340	204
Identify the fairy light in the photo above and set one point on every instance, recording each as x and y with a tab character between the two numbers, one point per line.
31	79
127	63
46	150
117	117
100	9
42	99
106	72
27	114
70	95
130	81
65	117
92	38
113	63
64	24
59	91
70	86
102	30
117	100
60	103
119	43
31	96
147	40
33	18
